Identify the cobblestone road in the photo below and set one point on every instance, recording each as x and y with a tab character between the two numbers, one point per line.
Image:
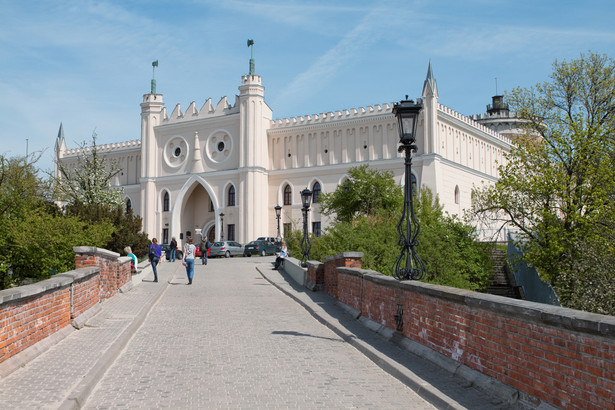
232	340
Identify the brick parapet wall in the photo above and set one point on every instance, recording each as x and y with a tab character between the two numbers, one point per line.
561	356
30	313
331	263
85	289
113	274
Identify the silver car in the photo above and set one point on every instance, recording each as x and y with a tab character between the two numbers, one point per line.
226	249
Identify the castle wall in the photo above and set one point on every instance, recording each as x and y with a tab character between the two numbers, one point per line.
240	146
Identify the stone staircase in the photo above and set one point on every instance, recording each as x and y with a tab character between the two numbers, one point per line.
502	282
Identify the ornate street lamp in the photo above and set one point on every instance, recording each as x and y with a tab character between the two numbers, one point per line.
222	226
278	213
408	265
306	197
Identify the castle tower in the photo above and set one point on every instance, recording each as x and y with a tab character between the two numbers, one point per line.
255	118
500	119
151	112
431	173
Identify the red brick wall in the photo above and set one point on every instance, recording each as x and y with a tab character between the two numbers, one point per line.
560	356
86	294
346	259
28	314
24	322
112	274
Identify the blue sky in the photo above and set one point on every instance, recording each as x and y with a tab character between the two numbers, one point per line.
87	63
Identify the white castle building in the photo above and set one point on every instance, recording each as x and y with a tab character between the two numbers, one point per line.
190	167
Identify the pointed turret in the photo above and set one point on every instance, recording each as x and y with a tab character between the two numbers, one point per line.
430	87
60	147
197	160
60	142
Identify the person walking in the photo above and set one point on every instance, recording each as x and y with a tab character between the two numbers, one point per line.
281	256
205	245
173	247
188	258
155	252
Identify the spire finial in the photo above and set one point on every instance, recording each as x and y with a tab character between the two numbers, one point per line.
154	65
251	45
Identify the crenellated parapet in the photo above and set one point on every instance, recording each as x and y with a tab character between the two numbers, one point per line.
471	122
106	148
322	118
206	111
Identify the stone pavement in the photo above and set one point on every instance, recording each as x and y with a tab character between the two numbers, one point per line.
242	336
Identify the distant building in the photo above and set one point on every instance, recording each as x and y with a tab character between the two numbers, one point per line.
188	167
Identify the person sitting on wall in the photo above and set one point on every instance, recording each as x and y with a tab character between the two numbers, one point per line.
281	256
134	264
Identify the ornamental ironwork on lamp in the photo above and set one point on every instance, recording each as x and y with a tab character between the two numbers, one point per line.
278	213
306	197
221	226
408	265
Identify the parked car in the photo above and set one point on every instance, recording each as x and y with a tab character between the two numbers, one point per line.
166	248
259	248
278	244
226	249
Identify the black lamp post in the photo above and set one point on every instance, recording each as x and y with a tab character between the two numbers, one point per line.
221	226
408	265
306	197
278	213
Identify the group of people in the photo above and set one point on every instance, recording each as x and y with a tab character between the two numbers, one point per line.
189	254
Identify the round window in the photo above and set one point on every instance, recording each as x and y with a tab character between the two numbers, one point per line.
177	152
221	146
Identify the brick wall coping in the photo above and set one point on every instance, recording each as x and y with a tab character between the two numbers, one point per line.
556	316
91	250
57	281
344	255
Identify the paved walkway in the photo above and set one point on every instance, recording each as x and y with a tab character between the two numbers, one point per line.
242	336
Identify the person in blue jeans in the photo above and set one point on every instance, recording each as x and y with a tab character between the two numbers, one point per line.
205	245
155	252
188	258
173	247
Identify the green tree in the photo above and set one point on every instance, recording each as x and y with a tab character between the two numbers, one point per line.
89	181
127	226
36	239
367	192
557	187
451	253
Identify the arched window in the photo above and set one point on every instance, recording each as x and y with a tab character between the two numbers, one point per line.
231	196
315	192
288	195
128	204
165	202
457	194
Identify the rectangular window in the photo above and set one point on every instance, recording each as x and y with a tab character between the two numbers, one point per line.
316	228
231	232
287	230
165	236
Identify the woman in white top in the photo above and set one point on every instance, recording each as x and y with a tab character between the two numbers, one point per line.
188	259
281	256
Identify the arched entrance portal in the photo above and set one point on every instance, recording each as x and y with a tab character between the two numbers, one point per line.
197	212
